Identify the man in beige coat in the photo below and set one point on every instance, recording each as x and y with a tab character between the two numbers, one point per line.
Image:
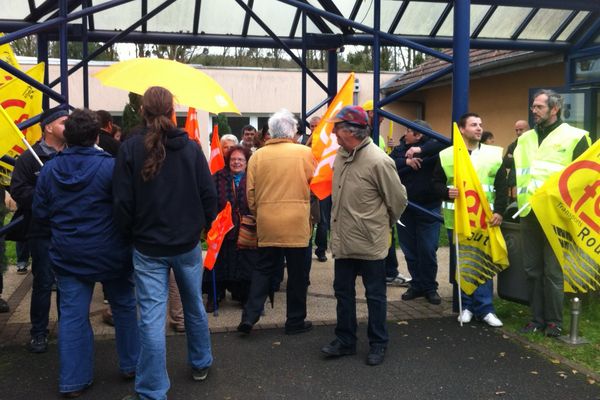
368	198
278	194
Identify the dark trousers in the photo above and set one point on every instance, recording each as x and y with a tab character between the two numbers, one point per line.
391	261
262	278
544	274
323	226
41	291
344	285
22	252
419	239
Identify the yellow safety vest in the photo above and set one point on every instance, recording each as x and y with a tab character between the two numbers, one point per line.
534	163
486	161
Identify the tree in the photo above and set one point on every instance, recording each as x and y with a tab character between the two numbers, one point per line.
26	47
75	51
223	125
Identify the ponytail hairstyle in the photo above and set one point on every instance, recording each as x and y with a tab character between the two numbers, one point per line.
157	109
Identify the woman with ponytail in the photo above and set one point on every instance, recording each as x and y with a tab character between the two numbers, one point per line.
164	196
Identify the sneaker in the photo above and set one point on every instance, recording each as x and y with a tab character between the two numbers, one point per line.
399	280
21	268
492	320
200	374
553	330
465	317
531	327
4	308
38	344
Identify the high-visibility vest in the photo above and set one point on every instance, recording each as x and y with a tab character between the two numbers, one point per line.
534	163
486	161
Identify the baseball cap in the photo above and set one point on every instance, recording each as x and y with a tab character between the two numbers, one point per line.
53	116
354	115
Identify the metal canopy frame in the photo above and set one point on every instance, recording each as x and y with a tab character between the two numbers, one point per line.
73	20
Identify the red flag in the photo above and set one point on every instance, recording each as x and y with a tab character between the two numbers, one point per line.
191	125
217	162
214	238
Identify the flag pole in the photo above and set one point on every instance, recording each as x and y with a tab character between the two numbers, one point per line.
32	151
457	277
214	285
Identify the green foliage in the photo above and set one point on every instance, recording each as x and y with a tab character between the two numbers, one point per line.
131	113
224	127
515	316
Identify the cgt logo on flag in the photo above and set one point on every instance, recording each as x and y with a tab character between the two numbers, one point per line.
583	200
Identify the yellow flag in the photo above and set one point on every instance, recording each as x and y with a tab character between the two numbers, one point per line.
7	55
568	208
11	135
481	248
325	145
22	101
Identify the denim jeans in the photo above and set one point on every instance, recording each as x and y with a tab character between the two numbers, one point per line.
41	291
152	287
75	335
480	302
419	239
323	226
344	286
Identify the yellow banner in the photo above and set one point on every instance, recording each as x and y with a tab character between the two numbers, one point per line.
481	248
7	55
22	101
11	135
325	145
568	208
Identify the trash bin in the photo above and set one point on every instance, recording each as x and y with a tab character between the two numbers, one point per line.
512	282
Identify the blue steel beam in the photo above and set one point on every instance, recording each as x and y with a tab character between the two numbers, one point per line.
42	56
588	35
332	69
283	45
303	82
392	38
318	106
51	23
416	85
408	123
64	66
376	72
115	39
460	81
85	55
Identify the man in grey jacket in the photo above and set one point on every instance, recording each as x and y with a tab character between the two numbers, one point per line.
368	198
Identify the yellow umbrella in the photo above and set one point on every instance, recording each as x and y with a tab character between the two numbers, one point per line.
190	86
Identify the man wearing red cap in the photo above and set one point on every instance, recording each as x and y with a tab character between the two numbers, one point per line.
368	198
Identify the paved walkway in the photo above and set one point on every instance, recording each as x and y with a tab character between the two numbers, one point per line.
429	356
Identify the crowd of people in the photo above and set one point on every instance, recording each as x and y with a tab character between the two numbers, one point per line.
130	214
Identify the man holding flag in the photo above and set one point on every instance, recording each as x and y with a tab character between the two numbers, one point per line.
475	278
541	152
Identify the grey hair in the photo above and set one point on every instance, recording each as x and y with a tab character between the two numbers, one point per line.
356	131
230	137
283	125
554	99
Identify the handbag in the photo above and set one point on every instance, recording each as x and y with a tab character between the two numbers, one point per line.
247	237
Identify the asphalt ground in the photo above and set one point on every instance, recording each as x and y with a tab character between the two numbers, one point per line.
426	359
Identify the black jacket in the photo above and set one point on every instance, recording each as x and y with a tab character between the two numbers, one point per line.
165	215
418	182
108	143
22	188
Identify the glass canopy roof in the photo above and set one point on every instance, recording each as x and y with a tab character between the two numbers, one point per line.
512	20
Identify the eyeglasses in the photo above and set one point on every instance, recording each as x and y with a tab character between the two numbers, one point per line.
537	107
242	160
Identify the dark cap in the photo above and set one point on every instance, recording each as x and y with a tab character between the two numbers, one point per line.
53	116
354	115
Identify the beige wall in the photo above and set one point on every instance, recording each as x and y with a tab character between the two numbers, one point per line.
500	100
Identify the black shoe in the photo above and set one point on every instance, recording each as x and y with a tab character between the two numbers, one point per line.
4	308
321	257
337	349
376	355
553	330
200	374
412	294
244	327
433	297
38	344
294	330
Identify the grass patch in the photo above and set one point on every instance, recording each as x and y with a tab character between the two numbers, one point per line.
515	316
